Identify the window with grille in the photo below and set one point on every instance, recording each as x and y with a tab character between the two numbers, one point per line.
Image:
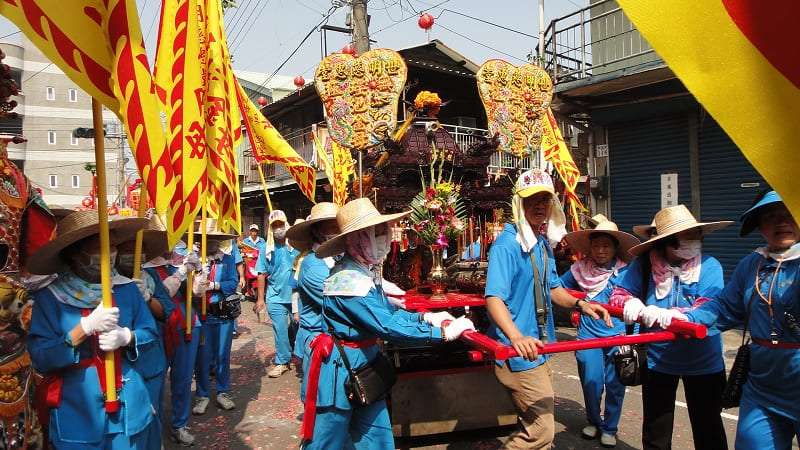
73	95
51	137
53	181
76	181
50	93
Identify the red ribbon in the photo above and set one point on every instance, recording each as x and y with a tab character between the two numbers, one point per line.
171	337
321	346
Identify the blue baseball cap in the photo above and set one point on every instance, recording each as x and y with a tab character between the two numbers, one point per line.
750	217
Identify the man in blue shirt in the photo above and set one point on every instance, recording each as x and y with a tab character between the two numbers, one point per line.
275	260
521	286
254	240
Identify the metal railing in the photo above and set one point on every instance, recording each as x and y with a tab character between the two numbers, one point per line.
594	40
301	141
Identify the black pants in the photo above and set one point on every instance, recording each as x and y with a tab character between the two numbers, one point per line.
703	400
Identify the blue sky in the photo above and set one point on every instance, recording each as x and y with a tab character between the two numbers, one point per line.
262	34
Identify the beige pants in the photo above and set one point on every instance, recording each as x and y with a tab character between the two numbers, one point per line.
531	392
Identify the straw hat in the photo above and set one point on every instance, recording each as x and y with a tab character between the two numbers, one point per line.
582	242
73	228
212	230
750	217
59	211
154	238
356	215
534	181
321	211
299	245
673	220
645	231
597	219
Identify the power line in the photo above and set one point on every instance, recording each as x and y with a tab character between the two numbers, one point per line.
253	22
487	23
484	45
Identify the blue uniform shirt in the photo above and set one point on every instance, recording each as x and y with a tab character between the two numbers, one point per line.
774	380
279	268
510	277
682	356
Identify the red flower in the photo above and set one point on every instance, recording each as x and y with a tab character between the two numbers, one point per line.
430	193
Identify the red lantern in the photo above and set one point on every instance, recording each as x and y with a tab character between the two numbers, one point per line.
425	21
349	50
87	202
262	101
299	81
113	211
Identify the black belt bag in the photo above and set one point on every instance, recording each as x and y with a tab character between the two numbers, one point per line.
370	383
229	307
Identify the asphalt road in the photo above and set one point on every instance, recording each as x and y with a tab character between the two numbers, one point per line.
268	411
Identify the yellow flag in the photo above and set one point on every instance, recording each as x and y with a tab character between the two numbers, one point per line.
343	168
269	146
739	59
98	45
555	151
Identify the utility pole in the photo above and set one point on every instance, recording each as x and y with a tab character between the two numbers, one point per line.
360	21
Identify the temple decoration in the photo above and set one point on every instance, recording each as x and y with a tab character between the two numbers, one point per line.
516	99
360	95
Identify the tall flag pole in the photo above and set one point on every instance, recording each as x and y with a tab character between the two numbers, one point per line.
749	80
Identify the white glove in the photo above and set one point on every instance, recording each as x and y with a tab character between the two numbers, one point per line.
101	319
630	313
399	303
172	283
653	315
146	294
454	329
191	262
436	318
114	338
199	284
392	289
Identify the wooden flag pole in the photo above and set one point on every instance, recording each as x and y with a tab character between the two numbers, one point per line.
112	402
264	185
189	279
203	241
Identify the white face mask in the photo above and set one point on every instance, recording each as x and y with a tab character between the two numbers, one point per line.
93	268
279	233
382	246
688	249
125	263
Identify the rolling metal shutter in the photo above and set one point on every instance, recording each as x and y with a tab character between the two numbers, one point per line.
639	152
728	185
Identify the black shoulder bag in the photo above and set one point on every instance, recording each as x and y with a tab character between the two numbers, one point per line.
630	361
369	383
732	394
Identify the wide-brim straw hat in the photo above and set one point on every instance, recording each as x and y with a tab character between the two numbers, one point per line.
356	215
154	238
71	229
597	219
59	211
749	218
645	231
673	220
212	230
582	240
298	244
320	212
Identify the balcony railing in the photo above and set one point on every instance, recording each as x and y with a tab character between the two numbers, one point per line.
594	40
301	141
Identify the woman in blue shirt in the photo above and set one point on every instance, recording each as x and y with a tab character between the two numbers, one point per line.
765	283
672	272
597	273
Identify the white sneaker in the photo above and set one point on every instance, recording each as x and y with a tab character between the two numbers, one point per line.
278	370
608	440
589	432
182	437
200	406
225	402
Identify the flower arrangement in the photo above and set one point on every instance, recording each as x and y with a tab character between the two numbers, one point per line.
429	102
438	213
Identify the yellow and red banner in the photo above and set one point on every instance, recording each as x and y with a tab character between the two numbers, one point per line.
338	170
749	79
269	146
555	151
99	46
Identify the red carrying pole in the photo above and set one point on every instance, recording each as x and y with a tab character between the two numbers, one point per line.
690	329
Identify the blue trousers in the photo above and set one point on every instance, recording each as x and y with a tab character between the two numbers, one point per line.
763	429
111	442
280	314
180	378
596	371
365	428
155	388
216	350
